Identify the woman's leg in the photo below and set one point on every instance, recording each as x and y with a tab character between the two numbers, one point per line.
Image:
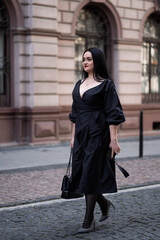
90	205
102	201
104	206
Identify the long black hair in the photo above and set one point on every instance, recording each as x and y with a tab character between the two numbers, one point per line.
100	71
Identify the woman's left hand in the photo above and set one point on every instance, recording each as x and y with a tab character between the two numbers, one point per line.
115	147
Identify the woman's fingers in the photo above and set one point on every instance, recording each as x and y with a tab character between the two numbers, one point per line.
72	143
115	149
112	155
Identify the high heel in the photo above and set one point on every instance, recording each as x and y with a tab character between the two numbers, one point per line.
104	217
87	230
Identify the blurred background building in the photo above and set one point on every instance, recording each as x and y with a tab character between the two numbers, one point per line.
41	45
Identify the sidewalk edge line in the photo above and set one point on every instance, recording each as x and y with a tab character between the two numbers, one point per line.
37	204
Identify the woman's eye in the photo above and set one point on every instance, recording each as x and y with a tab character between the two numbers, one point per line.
88	59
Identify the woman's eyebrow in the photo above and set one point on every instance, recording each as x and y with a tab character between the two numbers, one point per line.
87	58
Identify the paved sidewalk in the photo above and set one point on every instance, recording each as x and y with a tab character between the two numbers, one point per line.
137	217
40	156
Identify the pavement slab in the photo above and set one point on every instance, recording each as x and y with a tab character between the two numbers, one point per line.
13	158
39	184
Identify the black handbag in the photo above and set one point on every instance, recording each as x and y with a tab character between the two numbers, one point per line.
67	193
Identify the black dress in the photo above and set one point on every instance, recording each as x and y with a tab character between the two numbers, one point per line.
92	172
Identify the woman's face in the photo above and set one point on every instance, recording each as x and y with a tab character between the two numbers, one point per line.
88	62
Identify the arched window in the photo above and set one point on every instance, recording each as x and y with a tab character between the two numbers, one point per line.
4	57
93	30
151	60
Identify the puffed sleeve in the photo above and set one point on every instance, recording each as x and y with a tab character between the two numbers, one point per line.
72	116
113	110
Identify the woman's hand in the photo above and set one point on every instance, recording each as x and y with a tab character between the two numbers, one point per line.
114	142
72	142
73	134
115	147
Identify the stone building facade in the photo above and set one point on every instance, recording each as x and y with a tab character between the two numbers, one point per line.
41	44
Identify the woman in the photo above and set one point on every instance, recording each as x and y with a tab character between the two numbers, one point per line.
96	113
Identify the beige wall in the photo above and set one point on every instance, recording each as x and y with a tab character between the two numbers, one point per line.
45	75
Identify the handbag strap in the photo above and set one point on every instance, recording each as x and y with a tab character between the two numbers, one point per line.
125	173
68	171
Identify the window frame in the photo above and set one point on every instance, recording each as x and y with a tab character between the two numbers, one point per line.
5	97
107	36
151	97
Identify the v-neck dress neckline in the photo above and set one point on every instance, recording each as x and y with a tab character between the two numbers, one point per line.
88	88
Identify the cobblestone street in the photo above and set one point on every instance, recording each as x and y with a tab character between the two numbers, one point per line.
137	217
